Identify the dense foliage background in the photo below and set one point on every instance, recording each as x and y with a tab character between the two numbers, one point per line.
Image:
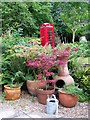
26	18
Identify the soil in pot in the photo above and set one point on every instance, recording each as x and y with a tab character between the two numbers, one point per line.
67	100
12	93
42	94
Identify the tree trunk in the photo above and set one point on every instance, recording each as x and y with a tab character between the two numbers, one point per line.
73	36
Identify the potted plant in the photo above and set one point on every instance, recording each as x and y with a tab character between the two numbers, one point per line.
68	95
12	87
30	52
43	66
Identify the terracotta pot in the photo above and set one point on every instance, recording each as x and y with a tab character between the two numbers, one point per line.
63	70
12	93
33	85
67	100
42	95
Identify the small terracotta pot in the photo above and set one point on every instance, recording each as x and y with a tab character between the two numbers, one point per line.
42	95
12	93
67	100
33	85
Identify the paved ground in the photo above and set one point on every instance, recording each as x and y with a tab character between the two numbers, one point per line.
12	113
27	107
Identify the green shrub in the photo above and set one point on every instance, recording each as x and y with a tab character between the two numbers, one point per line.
84	97
14	54
83	49
16	80
9	40
81	75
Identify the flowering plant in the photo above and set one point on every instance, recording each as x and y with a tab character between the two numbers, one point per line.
44	63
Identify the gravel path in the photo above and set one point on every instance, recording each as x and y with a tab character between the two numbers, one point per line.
29	105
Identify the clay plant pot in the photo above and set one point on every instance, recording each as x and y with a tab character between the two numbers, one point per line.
12	93
67	100
43	94
33	85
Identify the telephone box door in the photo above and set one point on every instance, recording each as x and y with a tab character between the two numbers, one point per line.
47	34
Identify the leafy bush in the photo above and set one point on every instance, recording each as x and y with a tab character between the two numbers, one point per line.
12	63
9	40
10	66
83	49
81	75
80	69
16	80
30	16
84	97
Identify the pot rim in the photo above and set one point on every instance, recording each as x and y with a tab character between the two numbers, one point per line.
7	87
41	91
61	91
36	80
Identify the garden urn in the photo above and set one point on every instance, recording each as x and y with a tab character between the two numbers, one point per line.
63	77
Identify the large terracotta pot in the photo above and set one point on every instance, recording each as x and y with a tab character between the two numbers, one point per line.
12	93
67	100
33	85
42	95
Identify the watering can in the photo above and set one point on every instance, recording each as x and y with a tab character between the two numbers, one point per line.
52	105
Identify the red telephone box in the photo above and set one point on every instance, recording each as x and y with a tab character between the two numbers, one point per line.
47	34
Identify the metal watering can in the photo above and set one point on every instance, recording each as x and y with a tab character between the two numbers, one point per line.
52	105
